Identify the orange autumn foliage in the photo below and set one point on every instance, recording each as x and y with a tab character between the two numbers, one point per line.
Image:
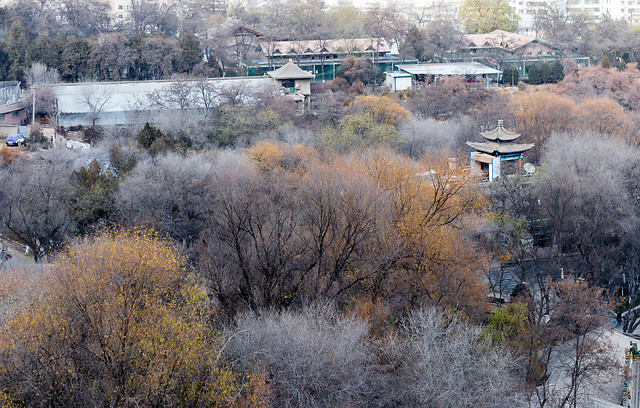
602	115
539	114
270	157
7	154
438	264
120	320
382	109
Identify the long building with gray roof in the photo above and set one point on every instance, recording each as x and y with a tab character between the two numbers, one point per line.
125	103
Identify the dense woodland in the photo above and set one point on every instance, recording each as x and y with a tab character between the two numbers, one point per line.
78	39
242	256
338	257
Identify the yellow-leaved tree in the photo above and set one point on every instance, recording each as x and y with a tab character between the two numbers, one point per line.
120	323
437	263
382	109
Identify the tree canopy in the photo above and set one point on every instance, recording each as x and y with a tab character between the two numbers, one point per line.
484	16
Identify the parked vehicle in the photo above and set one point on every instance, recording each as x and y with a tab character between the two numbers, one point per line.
14	140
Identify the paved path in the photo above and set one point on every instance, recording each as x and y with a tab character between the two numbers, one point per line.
635	381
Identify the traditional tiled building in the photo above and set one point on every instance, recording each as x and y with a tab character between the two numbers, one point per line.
499	147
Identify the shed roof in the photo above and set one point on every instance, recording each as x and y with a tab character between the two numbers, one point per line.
482	158
290	71
454	68
397	74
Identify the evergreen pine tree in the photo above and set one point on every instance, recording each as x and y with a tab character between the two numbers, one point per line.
510	75
622	65
148	135
557	72
190	53
605	62
545	73
16	42
534	75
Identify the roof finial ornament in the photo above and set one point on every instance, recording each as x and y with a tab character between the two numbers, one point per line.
500	123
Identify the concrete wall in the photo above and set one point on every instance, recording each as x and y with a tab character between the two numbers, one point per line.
7	130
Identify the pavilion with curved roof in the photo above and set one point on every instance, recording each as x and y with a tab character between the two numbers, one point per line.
499	147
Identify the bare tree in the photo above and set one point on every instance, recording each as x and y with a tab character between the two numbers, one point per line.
300	49
178	95
34	203
95	98
40	74
207	96
235	94
431	136
40	78
169	195
591	203
269	44
143	13
317	358
441	361
568	351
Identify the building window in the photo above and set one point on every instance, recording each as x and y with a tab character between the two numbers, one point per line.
120	7
14	114
2	117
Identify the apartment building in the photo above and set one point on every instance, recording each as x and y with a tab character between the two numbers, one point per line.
627	10
121	9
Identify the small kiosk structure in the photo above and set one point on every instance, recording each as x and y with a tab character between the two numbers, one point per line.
498	148
294	81
398	81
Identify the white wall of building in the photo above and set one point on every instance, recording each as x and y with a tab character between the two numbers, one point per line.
628	10
398	82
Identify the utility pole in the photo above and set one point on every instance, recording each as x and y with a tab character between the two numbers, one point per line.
33	108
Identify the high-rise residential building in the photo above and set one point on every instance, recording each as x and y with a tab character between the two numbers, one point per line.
121	9
627	10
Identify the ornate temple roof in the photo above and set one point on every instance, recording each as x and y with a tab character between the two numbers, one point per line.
500	134
494	148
